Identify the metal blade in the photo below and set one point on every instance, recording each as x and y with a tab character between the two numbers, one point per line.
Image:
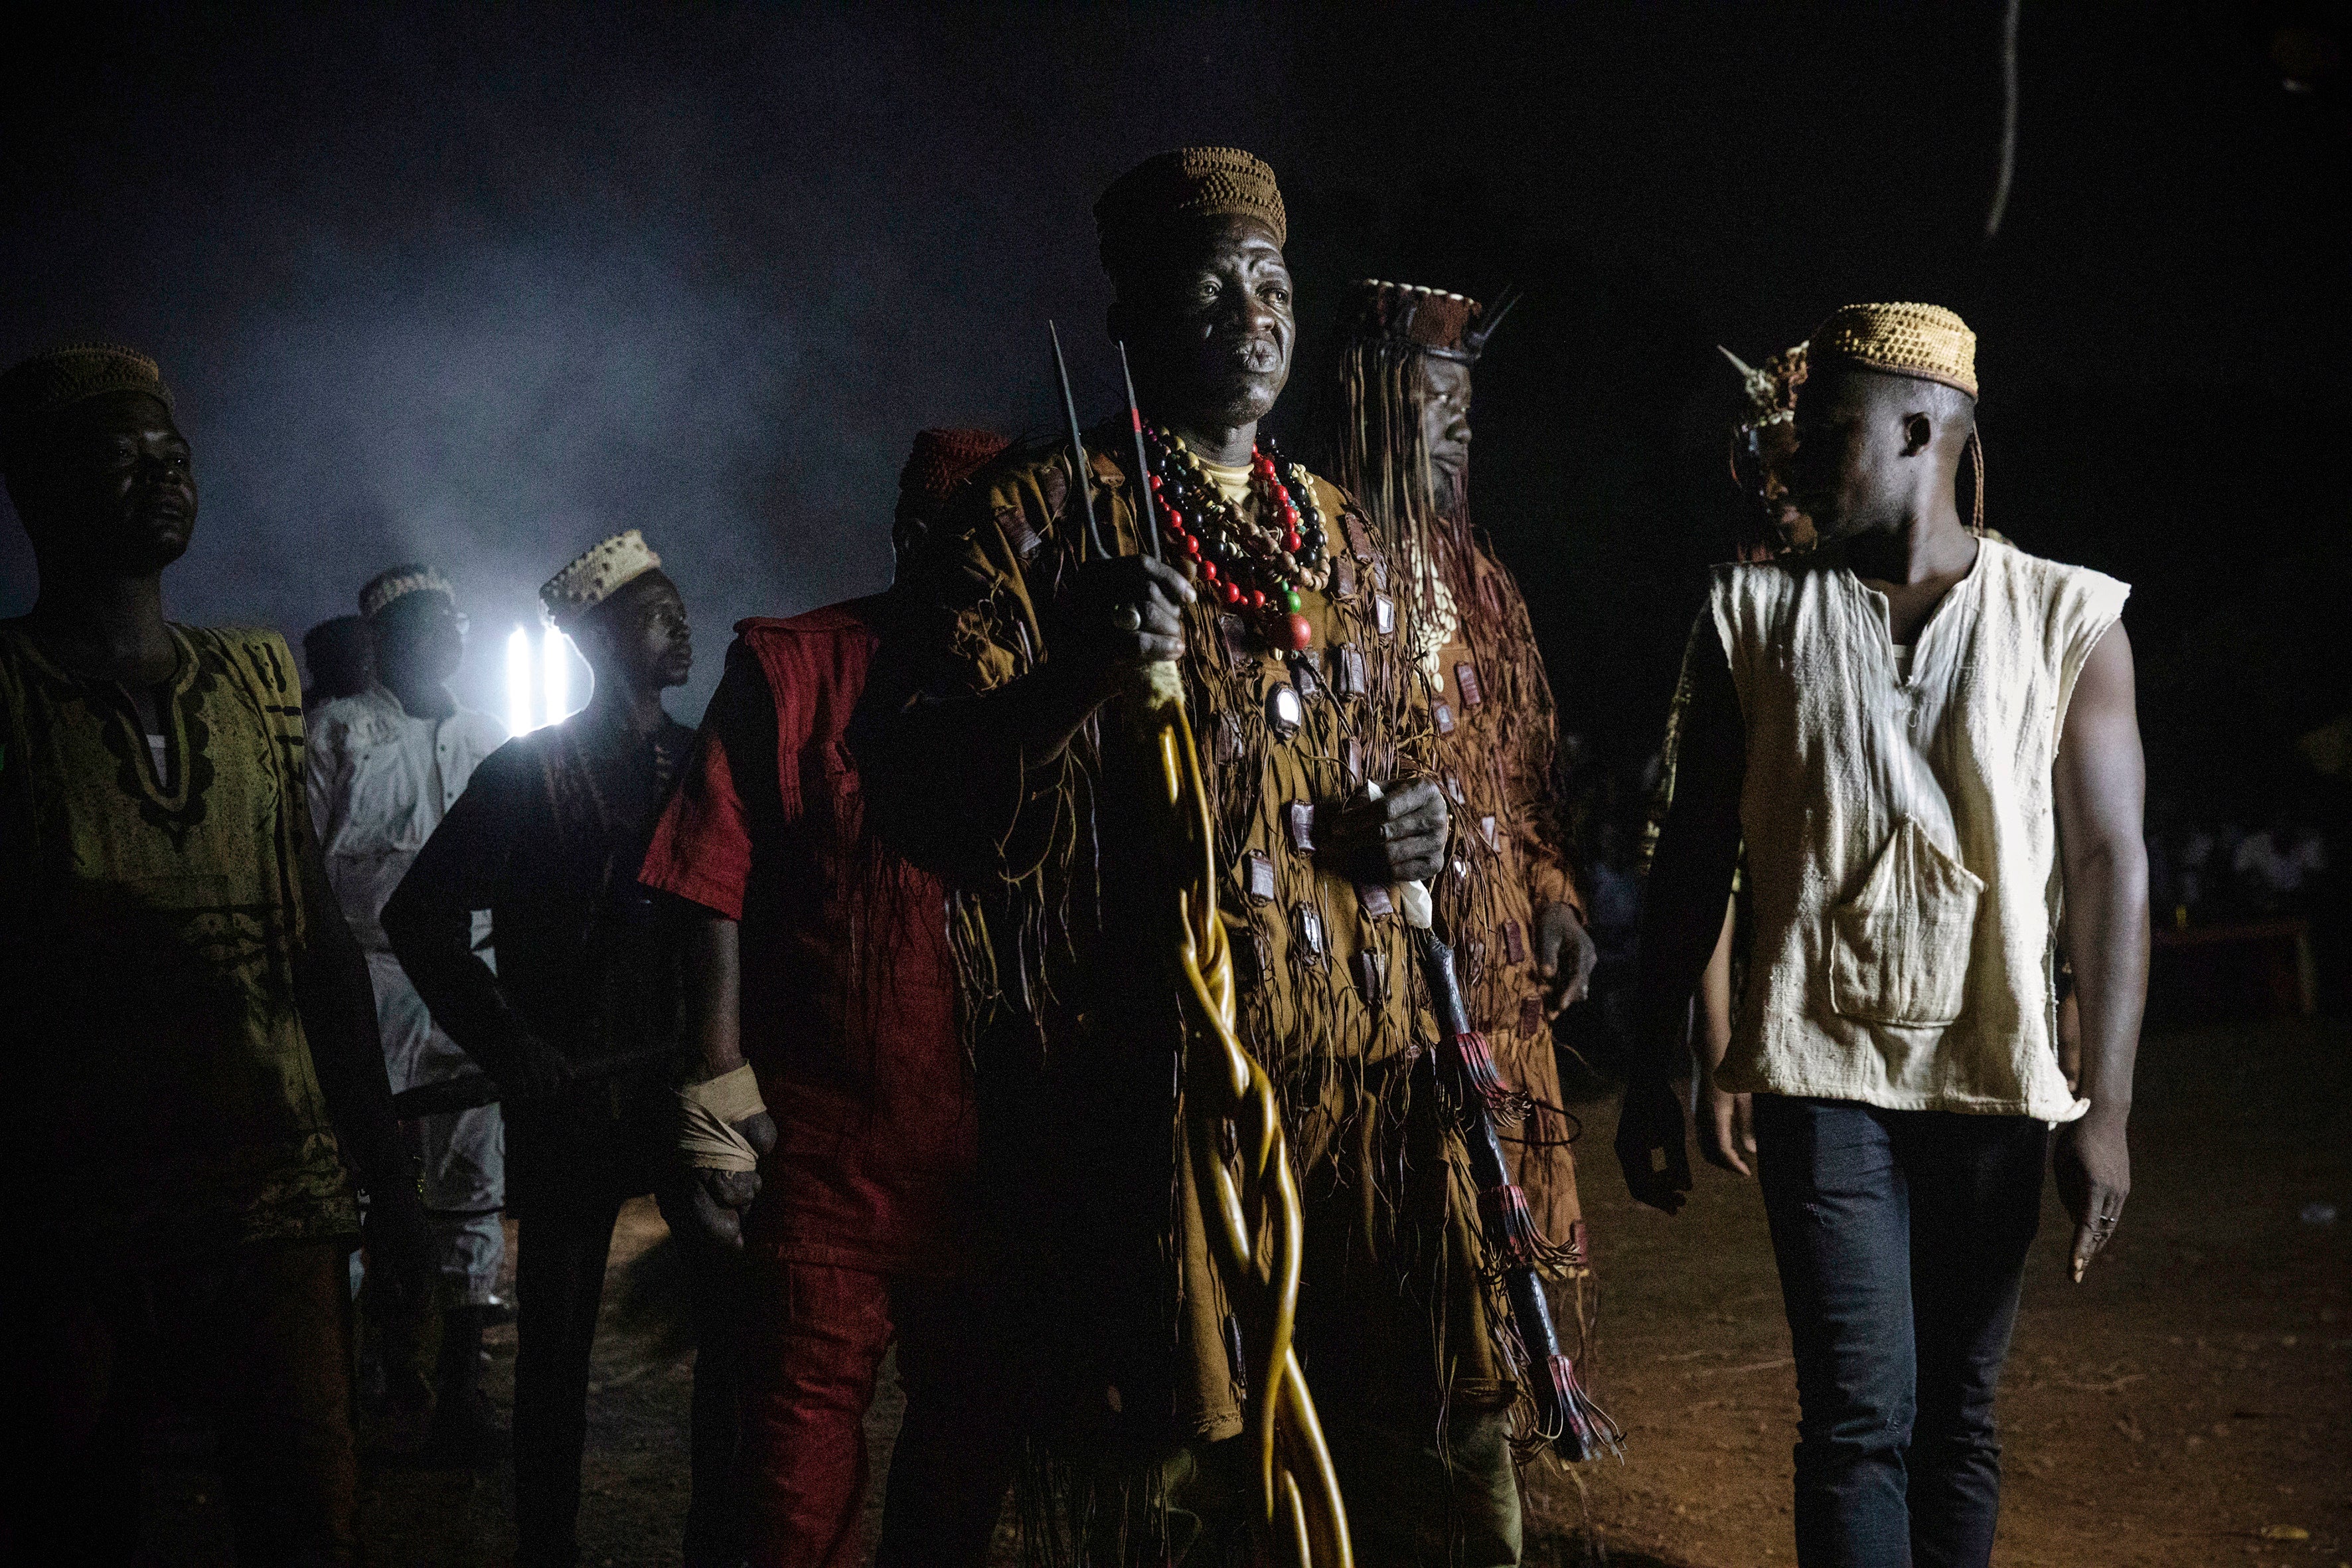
1145	507
1078	447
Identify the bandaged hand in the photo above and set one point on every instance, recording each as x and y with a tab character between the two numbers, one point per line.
724	1131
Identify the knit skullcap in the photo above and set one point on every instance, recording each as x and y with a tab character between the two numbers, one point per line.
1452	326
1923	341
941	461
595	574
1184	186
62	377
388	587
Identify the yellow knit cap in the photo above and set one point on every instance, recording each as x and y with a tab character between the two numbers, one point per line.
1925	340
1189	182
595	574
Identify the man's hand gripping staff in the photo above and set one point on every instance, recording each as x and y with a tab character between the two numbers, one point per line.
1256	1226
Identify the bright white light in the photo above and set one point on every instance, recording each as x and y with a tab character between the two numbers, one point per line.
518	681
556	651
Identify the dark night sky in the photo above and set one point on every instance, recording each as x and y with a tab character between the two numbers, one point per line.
478	285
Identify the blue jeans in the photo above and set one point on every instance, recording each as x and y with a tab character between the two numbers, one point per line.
1901	1238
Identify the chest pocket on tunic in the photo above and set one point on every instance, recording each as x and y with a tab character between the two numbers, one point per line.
1899	950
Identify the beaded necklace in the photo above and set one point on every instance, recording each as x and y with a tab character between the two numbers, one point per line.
1253	566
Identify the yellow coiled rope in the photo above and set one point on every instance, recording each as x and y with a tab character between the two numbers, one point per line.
1257	1228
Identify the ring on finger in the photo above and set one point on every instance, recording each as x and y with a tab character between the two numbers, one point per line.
1127	618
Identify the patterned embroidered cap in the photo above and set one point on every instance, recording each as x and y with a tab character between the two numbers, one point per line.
1187	182
595	574
389	587
63	377
1925	340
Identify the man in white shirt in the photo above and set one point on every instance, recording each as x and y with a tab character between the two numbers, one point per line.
384	767
1912	825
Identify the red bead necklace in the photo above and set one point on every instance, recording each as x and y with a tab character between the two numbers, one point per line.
1254	565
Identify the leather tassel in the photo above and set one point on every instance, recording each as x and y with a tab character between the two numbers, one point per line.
1587	1431
1476	1060
1510	1228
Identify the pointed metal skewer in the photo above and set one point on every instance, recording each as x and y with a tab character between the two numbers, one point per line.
1077	447
1146	512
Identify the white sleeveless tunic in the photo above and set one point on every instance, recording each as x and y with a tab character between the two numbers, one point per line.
1903	834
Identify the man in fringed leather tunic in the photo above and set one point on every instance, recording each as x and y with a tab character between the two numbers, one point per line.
1115	1326
1398	438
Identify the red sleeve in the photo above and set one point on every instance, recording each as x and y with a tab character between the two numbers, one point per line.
702	848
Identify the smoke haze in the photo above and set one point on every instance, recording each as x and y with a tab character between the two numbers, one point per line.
478	286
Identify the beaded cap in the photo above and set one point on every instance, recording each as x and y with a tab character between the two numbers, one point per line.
595	574
1168	188
389	587
1924	340
63	377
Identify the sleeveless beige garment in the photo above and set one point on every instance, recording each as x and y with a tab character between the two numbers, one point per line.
1902	835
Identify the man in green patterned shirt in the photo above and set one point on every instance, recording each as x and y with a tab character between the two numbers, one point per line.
190	1037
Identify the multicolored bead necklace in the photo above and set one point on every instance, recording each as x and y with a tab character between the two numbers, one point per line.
1254	565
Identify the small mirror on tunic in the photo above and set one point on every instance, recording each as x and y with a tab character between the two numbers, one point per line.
1310	930
1466	679
1257	878
1284	710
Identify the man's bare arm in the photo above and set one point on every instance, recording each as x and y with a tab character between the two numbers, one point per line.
2101	784
1727	1122
1682	916
712	1204
714	961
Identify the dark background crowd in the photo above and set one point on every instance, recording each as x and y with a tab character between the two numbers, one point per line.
481	287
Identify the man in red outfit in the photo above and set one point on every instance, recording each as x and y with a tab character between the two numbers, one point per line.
831	1053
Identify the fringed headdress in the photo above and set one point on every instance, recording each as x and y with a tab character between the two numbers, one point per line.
1375	448
1761	438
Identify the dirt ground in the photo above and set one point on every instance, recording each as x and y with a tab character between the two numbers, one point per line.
2191	1406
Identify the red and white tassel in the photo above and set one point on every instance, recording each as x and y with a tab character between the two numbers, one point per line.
1509	1106
1512	1236
1586	1431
